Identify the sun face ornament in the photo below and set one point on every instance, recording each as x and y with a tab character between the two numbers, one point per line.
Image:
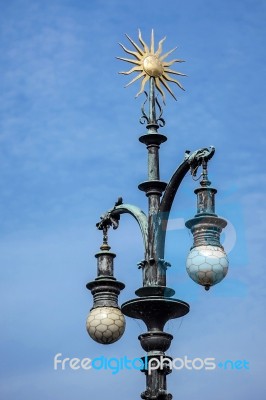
151	65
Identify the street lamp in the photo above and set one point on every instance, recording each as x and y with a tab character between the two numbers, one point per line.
207	263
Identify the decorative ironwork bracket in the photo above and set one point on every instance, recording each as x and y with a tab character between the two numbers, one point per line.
144	117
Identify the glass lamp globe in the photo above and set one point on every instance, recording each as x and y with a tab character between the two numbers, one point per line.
207	265
105	325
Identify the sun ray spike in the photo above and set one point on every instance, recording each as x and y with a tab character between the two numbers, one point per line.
128	60
143	83
169	79
135	45
169	63
152	41
160	47
134	69
171	71
133	53
146	48
167	54
168	88
135	79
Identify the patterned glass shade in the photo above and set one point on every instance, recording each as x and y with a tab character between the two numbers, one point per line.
106	325
207	265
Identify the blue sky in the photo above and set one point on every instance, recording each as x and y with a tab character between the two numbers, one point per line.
69	147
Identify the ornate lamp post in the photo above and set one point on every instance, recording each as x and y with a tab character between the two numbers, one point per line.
207	263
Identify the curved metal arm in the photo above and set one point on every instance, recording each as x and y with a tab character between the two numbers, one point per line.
192	162
172	187
139	216
166	205
136	212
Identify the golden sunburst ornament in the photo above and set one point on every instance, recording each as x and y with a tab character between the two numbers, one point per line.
151	64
